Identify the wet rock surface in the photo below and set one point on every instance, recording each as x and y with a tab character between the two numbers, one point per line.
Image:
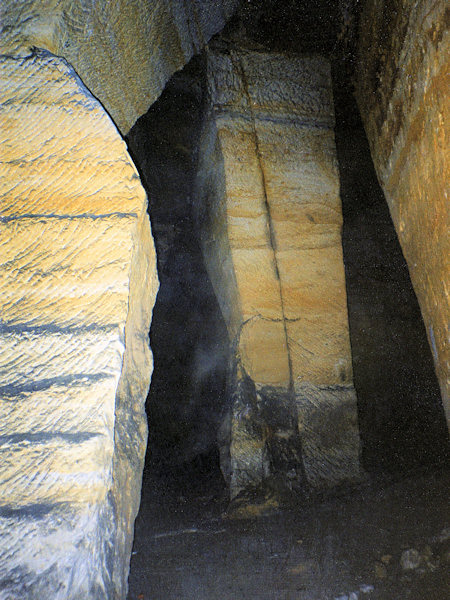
385	540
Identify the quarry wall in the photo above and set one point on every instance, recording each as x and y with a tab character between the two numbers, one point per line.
402	80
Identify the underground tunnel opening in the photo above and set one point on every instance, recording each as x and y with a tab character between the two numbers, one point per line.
401	419
402	427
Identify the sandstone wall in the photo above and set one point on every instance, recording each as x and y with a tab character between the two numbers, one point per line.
78	282
123	50
402	90
271	220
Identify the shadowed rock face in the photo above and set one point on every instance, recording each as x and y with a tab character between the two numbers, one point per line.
401	417
401	85
189	339
294	26
270	217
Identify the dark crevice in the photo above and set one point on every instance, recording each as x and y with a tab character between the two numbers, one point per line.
188	335
401	418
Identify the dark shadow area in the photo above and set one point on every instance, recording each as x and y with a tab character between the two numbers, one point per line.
401	417
188	335
389	543
291	26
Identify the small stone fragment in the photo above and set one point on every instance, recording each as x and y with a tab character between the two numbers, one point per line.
298	569
366	589
444	535
431	561
410	559
380	570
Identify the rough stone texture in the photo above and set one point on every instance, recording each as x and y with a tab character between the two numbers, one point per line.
402	91
123	50
78	281
271	222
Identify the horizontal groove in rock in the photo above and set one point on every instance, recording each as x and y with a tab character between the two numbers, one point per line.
13	391
59	285
52	328
36	470
28	357
71	406
62	100
55	539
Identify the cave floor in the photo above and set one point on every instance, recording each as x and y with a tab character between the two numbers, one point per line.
385	540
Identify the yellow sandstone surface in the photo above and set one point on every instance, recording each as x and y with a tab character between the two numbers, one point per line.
402	92
271	226
78	282
282	216
123	50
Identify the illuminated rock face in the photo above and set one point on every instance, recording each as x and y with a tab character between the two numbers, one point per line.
123	50
402	92
78	281
271	224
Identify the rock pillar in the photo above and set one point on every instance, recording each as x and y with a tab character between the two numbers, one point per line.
270	215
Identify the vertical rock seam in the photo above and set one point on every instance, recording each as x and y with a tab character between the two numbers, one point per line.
299	466
240	69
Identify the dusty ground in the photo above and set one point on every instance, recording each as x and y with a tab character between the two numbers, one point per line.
385	540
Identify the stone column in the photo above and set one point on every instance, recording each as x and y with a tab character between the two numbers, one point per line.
78	282
270	213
